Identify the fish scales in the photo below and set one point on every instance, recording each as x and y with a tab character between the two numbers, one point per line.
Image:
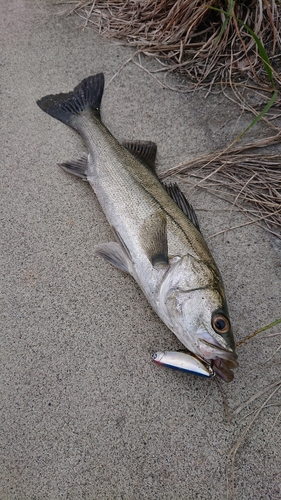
120	172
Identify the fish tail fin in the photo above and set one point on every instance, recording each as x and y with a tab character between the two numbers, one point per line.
85	95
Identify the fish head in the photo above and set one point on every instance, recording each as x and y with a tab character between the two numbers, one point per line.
193	305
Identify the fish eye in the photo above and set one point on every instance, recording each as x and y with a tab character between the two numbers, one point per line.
220	323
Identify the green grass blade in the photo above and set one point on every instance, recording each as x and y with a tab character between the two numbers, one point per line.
262	52
260	115
226	21
261	49
274	323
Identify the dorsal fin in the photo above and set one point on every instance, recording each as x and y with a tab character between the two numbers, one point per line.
143	150
174	191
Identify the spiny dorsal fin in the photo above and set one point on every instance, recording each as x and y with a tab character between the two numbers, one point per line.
143	150
77	166
153	239
174	191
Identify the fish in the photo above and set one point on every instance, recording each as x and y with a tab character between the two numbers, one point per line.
184	362
158	240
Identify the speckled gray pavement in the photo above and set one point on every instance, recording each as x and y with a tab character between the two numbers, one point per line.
85	413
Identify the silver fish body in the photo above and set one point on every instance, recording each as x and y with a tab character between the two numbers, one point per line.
183	362
156	242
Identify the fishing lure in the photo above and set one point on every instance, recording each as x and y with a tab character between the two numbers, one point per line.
184	362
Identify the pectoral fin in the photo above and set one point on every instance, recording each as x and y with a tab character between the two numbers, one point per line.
153	239
116	255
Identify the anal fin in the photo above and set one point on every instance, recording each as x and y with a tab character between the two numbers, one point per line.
77	167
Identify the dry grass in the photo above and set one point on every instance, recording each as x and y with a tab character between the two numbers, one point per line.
211	49
248	180
273	388
187	35
250	410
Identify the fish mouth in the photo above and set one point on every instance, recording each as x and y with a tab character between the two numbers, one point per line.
223	360
223	370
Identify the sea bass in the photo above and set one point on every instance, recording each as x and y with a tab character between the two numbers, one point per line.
158	240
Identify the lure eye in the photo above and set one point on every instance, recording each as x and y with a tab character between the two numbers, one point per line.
220	323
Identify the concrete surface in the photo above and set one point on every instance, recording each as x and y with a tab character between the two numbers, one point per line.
85	414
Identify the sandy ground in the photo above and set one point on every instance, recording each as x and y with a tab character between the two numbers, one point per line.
85	413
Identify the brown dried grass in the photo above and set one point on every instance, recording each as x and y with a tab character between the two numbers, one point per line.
248	180
197	42
191	38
